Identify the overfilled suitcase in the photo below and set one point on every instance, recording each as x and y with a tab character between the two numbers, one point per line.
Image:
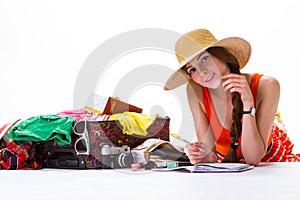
108	147
117	144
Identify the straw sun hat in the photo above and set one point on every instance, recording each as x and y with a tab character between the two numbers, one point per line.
194	42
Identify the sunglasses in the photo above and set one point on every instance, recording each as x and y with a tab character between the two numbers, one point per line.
82	144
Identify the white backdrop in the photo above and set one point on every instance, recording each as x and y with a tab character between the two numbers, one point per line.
43	45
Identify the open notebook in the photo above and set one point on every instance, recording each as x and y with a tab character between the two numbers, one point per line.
210	168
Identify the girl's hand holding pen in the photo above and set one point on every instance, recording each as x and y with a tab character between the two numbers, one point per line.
194	153
197	153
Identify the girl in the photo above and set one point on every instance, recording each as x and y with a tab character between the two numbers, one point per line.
233	113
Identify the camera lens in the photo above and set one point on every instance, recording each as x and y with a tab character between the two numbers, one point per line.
124	160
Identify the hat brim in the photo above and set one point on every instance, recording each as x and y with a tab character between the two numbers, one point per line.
238	47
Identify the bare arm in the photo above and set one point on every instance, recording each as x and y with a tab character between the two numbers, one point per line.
203	130
256	129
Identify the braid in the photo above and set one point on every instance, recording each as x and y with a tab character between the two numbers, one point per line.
236	128
237	112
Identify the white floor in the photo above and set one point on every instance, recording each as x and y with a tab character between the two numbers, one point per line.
268	181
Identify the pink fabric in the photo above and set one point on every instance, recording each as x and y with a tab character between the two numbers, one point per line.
82	114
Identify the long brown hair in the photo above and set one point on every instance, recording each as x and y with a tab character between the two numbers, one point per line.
237	112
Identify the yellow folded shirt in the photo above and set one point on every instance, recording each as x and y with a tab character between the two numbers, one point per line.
133	123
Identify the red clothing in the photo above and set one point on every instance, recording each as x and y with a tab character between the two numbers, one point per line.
279	145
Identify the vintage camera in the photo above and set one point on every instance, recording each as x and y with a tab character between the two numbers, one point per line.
113	157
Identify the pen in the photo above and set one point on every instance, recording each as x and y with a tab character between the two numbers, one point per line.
185	141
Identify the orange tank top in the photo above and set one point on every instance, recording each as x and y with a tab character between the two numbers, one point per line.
221	134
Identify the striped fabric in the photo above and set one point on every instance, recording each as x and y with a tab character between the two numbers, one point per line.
281	147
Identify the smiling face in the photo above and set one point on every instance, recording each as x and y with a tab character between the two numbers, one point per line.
206	70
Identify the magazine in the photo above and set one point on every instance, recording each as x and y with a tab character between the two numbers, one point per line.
157	150
210	168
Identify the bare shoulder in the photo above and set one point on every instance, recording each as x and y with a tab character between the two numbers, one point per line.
269	83
193	89
268	89
266	82
194	94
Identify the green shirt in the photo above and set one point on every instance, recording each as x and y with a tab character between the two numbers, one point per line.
43	128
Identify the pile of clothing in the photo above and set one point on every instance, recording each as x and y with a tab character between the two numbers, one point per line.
21	139
24	142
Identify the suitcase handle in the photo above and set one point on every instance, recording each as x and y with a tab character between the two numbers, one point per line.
65	158
63	163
